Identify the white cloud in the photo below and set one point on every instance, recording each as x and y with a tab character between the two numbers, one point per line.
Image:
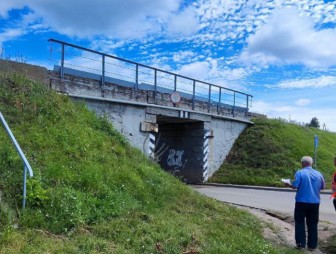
196	70
213	72
184	23
289	38
272	110
183	56
10	34
6	6
123	19
297	114
235	73
319	82
302	102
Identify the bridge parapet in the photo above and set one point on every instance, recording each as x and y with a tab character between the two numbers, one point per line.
107	76
81	84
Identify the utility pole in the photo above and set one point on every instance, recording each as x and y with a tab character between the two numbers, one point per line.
315	150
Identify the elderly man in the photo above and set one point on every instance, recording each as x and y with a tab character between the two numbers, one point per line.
308	183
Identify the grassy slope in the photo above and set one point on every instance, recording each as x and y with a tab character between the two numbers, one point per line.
93	193
271	150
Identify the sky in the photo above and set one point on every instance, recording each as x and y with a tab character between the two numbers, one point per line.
282	52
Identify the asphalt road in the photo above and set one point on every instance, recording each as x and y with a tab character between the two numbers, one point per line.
281	201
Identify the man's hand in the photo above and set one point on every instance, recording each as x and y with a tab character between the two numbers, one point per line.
288	185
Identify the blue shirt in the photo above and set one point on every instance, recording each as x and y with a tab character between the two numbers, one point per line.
308	182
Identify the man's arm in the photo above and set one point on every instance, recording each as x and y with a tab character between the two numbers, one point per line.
323	183
290	185
296	182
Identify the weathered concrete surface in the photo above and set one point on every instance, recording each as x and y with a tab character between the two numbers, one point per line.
77	85
225	133
126	119
192	148
155	122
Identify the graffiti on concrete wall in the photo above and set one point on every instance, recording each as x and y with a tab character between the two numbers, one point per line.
175	159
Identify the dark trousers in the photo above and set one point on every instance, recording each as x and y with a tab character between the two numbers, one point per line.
334	203
306	213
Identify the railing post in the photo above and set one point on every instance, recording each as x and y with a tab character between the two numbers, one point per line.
136	78
194	95
103	77
209	99
155	84
175	83
247	104
219	100
26	164
62	63
234	103
24	186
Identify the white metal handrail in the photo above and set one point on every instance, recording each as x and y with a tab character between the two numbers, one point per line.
211	91
23	157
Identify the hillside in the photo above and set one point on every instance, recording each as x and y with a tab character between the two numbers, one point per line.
271	149
93	193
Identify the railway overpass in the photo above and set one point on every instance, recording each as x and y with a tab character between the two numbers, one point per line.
186	125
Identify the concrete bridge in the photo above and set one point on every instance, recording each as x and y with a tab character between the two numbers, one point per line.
186	125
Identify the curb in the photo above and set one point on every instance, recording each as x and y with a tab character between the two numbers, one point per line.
268	188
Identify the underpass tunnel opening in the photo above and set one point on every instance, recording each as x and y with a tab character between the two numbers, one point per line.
180	148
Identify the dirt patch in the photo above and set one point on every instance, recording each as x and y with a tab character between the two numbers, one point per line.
279	228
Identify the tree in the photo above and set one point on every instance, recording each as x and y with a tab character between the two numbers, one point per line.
314	122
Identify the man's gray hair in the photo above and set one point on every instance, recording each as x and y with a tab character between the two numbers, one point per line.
307	160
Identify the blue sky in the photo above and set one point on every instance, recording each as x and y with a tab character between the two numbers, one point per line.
282	52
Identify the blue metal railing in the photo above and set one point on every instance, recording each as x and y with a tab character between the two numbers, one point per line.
194	89
26	164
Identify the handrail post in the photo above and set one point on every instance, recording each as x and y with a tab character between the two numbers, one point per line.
136	78
26	164
62	62
103	77
24	186
234	104
247	105
219	100
155	84
103	71
209	99
194	95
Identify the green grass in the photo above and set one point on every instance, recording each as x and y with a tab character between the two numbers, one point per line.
270	150
329	247
93	193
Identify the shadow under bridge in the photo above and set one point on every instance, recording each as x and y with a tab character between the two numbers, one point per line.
181	147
